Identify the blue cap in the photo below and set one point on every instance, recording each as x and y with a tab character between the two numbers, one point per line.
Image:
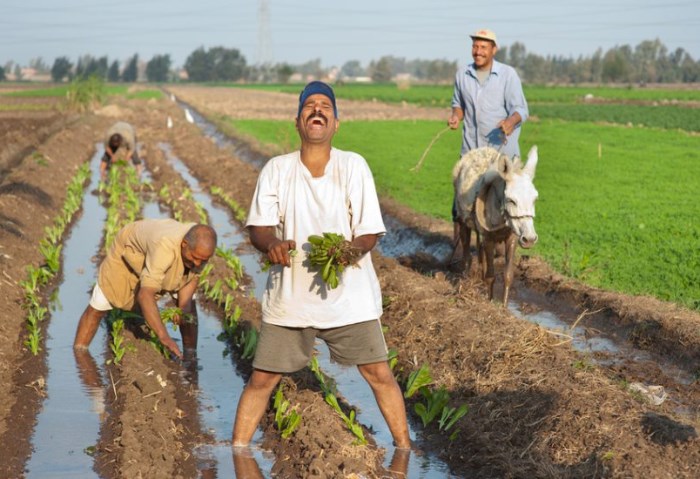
313	88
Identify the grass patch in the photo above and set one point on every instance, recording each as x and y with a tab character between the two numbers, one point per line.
62	91
626	221
662	116
145	95
441	95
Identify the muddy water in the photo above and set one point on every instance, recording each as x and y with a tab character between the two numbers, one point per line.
68	425
213	373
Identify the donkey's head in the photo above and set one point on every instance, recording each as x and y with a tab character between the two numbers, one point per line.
520	196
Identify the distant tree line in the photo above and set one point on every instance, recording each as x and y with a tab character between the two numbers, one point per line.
157	69
648	62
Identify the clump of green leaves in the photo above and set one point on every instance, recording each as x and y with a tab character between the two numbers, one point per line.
86	93
286	419
330	397
436	401
331	254
238	211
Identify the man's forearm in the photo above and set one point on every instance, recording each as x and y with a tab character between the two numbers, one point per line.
149	309
262	237
365	243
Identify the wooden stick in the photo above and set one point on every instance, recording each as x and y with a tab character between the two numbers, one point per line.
425	153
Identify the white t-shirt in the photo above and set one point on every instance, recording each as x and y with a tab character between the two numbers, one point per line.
344	201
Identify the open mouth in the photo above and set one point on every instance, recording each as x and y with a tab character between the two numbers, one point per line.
316	120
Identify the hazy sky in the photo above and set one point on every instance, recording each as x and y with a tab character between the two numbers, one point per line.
297	31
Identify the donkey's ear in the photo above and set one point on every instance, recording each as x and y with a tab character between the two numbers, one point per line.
503	165
517	164
506	166
532	158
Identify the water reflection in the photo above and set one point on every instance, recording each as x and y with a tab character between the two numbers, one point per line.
91	378
246	466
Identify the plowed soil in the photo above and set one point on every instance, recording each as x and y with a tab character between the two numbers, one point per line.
537	407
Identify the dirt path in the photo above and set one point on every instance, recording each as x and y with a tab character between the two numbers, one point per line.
537	408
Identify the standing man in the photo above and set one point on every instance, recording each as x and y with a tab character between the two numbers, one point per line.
120	135
488	99
308	192
148	258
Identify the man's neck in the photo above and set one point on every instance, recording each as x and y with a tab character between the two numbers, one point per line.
315	158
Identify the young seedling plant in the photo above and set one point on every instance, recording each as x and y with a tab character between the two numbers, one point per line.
238	212
286	419
436	401
332	400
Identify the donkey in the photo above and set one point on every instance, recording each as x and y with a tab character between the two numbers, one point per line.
495	197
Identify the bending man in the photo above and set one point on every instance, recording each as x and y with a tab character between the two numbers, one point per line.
120	136
148	258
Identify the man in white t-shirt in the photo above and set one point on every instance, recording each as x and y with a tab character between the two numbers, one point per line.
315	190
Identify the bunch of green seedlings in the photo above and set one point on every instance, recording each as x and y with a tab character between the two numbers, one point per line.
115	321
245	339
199	208
331	253
331	398
123	206
286	419
50	248
436	401
234	264
167	316
166	197
238	212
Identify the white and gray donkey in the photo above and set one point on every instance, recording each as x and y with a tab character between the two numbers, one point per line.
495	196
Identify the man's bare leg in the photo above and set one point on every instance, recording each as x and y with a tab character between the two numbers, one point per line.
252	405
389	399
87	327
189	332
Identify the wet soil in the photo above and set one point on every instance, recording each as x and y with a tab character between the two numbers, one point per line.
537	407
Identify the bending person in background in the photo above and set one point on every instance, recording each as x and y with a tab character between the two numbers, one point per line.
308	192
120	136
488	100
149	258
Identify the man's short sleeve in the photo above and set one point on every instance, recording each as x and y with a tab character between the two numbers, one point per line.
364	203
264	208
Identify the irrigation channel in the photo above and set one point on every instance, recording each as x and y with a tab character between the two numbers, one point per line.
69	422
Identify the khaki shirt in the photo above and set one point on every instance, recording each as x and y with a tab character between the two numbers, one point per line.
144	253
127	133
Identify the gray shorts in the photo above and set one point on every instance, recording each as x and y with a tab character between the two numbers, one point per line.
286	350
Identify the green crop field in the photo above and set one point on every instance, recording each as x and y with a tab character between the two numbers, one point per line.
62	91
617	205
626	102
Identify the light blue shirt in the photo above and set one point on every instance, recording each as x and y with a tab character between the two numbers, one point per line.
485	105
